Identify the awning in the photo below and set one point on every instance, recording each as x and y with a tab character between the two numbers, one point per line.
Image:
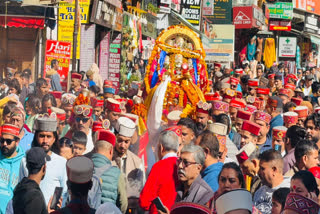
16	21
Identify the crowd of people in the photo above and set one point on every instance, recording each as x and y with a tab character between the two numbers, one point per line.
252	147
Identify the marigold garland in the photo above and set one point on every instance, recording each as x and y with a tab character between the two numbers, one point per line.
184	86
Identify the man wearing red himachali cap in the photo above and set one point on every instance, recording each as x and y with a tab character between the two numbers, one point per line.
97	106
263	120
112	112
203	113
113	181
76	80
250	132
10	159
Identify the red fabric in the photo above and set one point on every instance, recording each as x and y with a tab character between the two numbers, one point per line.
162	182
143	142
23	22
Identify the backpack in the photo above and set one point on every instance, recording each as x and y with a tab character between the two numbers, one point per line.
95	193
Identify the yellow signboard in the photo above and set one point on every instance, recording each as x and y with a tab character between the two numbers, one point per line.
66	19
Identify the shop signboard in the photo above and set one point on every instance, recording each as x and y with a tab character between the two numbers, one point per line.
220	47
108	14
60	51
312	6
280	25
115	62
66	17
312	23
87	46
287	47
207	7
222	13
104	55
280	10
247	17
191	10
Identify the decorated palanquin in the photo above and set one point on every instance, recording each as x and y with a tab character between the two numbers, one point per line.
176	73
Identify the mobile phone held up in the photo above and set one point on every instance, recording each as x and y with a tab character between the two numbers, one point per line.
56	197
157	201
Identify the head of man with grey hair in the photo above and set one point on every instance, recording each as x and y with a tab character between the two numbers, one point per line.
168	143
190	163
193	187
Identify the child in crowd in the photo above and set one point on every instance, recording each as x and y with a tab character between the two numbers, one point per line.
279	199
66	148
79	140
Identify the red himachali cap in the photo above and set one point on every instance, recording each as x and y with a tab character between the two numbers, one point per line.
239	94
212	96
297	203
292	76
56	94
234	81
302	111
237	104
279	132
253	82
245	152
203	107
260	115
239	71
105	135
217	65
96	126
10	129
284	91
113	105
290	118
265	91
270	76
244	115
96	102
297	101
290	86
250	108
220	105
258	103
176	129
76	76
251	127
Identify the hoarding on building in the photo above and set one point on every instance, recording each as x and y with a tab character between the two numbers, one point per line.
280	10
115	62
66	17
207	7
312	6
104	55
287	47
191	10
60	51
220	45
222	13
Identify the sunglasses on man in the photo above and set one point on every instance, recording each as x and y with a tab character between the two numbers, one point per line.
8	141
83	119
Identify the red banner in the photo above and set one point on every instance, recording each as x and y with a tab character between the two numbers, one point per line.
280	25
60	51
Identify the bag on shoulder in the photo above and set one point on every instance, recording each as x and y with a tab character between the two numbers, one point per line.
95	193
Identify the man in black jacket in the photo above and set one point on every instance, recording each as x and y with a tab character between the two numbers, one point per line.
28	197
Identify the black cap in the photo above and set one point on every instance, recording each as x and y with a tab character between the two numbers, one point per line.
36	158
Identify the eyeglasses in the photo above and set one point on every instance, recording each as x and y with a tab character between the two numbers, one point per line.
83	119
185	163
8	141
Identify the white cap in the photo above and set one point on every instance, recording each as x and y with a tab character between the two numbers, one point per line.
125	127
218	128
174	117
80	169
239	198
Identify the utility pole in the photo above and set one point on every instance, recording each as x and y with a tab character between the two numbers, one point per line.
75	38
